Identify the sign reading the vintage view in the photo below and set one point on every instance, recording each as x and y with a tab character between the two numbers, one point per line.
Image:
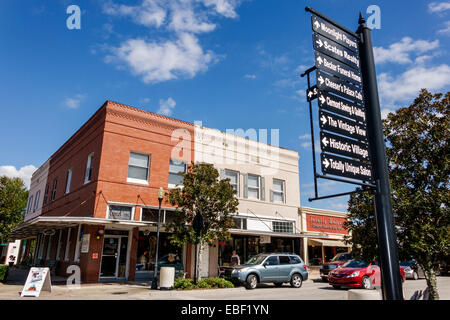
337	124
345	167
38	279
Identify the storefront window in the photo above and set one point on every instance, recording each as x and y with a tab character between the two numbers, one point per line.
120	212
147	250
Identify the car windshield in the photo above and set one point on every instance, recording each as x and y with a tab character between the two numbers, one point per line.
256	259
341	257
407	263
356	264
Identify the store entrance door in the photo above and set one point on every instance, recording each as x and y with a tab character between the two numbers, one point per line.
114	257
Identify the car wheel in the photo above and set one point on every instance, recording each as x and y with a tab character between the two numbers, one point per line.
278	284
296	280
252	282
415	276
367	283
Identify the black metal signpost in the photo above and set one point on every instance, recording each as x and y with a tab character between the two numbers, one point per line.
351	136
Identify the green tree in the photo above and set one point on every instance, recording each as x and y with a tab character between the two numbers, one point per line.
13	201
202	192
418	153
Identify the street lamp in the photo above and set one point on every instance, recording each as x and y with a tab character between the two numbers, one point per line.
155	275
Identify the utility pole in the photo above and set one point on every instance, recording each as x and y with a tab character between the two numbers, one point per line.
387	240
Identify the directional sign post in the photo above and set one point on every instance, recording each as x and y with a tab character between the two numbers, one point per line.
351	135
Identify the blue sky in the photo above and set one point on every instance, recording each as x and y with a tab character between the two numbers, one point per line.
228	63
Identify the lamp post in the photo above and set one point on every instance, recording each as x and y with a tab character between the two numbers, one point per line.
155	275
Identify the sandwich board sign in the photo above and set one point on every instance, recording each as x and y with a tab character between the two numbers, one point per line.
38	279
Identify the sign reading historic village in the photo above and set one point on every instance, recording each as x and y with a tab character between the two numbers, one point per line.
343	146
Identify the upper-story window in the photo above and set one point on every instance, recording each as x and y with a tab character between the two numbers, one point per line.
68	180
277	192
120	212
240	223
55	183
283	226
253	186
89	164
234	179
30	204
45	194
36	201
138	167
176	167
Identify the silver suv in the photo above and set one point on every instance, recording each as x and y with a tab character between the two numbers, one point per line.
269	267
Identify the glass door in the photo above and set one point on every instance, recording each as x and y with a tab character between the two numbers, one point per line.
110	257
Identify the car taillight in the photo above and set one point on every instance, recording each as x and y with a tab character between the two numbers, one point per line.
304	267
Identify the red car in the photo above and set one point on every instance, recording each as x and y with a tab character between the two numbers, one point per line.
337	261
358	274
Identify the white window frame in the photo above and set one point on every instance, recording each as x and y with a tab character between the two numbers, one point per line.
133	208
41	246
69	180
237	179
171	185
88	171
58	248
141	181
68	243
258	186
49	247
283	192
78	246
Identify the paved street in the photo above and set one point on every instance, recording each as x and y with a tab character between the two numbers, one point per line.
311	290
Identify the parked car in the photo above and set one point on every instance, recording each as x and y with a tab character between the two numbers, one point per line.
358	274
277	268
337	261
412	269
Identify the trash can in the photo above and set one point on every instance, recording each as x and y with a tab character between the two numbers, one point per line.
166	278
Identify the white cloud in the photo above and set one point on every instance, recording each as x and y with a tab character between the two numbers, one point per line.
400	52
434	7
23	173
157	62
74	102
405	86
166	106
446	30
178	52
250	76
305	136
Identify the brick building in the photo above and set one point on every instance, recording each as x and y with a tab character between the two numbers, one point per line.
94	203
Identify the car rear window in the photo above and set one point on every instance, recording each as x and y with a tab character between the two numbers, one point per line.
295	260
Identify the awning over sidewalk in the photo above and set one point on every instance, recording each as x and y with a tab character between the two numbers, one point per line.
329	243
40	224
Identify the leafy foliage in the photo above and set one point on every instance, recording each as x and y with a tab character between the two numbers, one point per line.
3	273
418	152
204	193
13	201
205	283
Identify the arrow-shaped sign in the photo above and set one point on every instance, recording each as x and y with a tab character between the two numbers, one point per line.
335	67
347	168
311	93
319	60
322	99
336	51
341	125
320	79
325	162
341	106
323	119
344	146
316	24
338	86
319	42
